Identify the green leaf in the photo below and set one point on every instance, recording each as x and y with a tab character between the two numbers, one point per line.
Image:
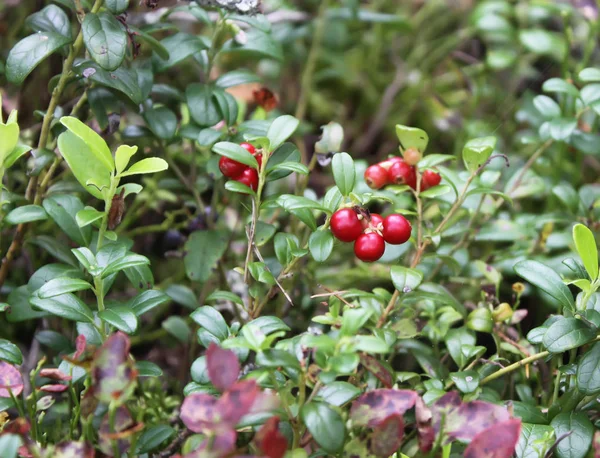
589	74
273	358
9	352
16	153
117	6
29	52
258	43
436	191
66	306
130	81
431	160
240	188
148	369
212	321
179	47
153	437
286	153
9	137
105	39
123	155
534	440
152	42
50	19
146	301
202	105
338	393
235	78
281	129
344	173
58	286
405	279
547	280
87	216
578	442
95	142
178	328
228	106
130	260
292	166
162	122
561	86
331	138
411	137
588	371
326	426
456	340
477	151
203	251
540	41
62	208
121	318
9	444
148	165
320	245
291	202
547	107
466	381
235	152
587	249
567	333
26	214
371	344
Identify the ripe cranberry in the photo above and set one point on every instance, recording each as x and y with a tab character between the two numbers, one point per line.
250	178
345	225
369	247
429	179
376	176
376	221
258	158
412	156
396	229
402	173
248	147
230	168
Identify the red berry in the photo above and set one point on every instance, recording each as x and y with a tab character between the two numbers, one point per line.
429	179
369	247
412	156
396	229
250	178
402	173
376	176
248	147
258	158
345	225
230	168
376	220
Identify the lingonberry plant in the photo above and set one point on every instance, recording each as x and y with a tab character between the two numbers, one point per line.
234	228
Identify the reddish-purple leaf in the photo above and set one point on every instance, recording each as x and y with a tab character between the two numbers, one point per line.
497	441
375	406
237	401
471	418
56	388
55	374
18	426
387	436
265	401
426	433
199	412
74	450
596	444
377	369
122	432
113	372
80	343
10	378
223	367
218	446
269	439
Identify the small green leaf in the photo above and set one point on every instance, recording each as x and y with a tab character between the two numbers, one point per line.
105	39
95	142
9	352
26	214
587	249
121	318
411	137
29	52
405	279
235	152
62	208
130	260
567	333
431	160
547	107
436	191
203	107
87	216
58	286
153	437
477	151
123	155
65	306
589	74
561	86
467	381
281	129
203	251
148	165
588	371
240	188
50	19
326	426
320	245
293	166
344	173
9	137
15	154
235	78
178	48
146	301
212	321
578	431
162	122
547	280
117	6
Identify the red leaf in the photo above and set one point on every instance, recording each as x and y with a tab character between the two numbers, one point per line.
497	441
377	369
271	442
199	412
471	418
423	417
596	444
223	367
377	405
113	372
237	401
387	436
10	377
55	374
74	449
80	343
56	388
123	431
18	426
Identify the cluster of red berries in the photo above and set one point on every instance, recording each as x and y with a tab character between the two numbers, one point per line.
397	170
241	172
369	231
